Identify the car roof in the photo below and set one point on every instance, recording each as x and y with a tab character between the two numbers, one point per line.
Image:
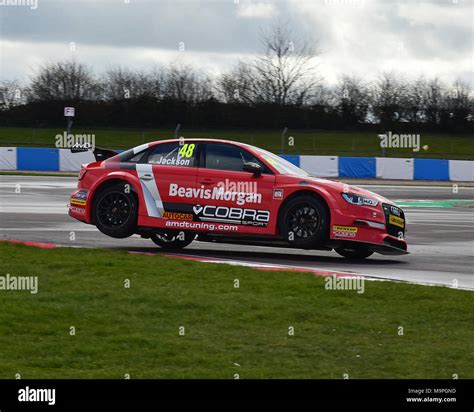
199	139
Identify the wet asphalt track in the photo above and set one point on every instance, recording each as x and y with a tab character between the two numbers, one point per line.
441	240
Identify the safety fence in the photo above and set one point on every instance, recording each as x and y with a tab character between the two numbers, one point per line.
52	159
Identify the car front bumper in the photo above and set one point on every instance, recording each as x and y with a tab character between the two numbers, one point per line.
382	229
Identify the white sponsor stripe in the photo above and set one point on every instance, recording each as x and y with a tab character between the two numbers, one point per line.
140	148
153	202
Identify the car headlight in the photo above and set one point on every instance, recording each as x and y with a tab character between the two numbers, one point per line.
359	200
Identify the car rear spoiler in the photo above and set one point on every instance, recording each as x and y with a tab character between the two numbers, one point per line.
99	154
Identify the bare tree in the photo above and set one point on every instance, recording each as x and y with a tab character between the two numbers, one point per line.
121	83
11	94
67	80
389	98
352	99
284	73
184	83
157	82
458	103
433	96
238	85
415	101
117	83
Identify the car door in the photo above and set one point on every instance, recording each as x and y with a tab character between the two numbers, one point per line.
234	199
168	169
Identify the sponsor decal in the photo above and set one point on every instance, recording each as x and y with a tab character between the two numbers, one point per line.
77	202
201	226
79	199
236	215
183	158
216	193
397	221
395	211
80	195
278	194
171	161
77	209
270	160
344	231
187	150
177	216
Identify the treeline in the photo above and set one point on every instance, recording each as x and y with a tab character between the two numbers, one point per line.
279	88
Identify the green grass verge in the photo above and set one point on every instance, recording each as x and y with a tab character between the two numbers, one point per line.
136	330
305	141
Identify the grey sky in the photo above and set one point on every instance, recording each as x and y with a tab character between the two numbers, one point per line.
362	37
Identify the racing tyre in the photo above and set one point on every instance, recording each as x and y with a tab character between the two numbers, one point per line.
114	211
304	222
173	239
355	252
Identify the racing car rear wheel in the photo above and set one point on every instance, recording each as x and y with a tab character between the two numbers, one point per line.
115	211
304	222
173	239
354	252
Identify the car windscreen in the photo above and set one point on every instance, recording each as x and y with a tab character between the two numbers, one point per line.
283	166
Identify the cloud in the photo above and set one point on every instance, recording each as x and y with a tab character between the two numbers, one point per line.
99	58
256	10
363	37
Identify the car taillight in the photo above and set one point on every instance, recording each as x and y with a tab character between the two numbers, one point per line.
82	173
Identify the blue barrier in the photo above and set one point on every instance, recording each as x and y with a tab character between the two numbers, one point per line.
361	167
431	169
295	159
37	158
45	159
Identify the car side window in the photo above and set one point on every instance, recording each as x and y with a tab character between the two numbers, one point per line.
222	156
174	154
136	158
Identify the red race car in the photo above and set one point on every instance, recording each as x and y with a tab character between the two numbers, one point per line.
174	191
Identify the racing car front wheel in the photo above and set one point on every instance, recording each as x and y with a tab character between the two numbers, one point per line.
304	222
355	252
115	211
173	239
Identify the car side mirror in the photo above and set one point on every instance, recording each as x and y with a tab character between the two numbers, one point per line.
253	167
